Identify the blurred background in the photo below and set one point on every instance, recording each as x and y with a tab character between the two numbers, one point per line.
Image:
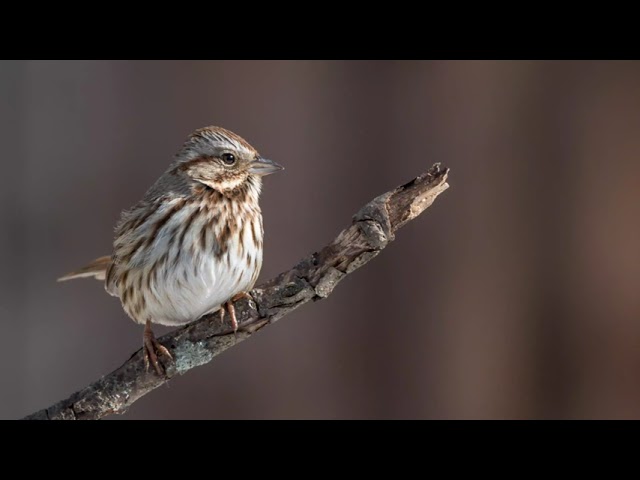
514	296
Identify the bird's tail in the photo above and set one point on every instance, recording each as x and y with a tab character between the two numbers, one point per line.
97	269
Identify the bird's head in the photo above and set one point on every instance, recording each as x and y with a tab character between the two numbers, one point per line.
222	160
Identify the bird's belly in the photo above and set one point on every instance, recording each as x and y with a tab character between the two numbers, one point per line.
179	277
196	288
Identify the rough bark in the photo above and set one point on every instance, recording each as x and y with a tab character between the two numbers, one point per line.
313	278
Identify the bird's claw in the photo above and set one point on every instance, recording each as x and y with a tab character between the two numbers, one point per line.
151	348
229	307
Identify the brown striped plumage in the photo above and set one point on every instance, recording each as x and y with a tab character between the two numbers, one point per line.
194	242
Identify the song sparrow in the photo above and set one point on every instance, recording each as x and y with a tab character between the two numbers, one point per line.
193	244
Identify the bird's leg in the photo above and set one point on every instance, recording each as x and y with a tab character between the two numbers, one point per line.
152	348
228	305
232	313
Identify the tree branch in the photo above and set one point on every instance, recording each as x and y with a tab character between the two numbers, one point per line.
313	278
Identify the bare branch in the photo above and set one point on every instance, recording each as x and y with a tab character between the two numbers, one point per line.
313	278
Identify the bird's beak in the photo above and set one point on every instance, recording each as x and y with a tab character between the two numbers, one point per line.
263	167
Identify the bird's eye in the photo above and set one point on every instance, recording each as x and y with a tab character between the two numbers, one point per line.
228	158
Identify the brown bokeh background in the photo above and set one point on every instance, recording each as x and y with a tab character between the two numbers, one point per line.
515	296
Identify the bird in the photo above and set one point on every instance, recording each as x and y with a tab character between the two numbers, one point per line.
193	244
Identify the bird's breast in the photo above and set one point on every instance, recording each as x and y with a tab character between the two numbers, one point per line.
197	259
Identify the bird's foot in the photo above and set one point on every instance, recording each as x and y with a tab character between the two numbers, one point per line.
151	349
229	307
